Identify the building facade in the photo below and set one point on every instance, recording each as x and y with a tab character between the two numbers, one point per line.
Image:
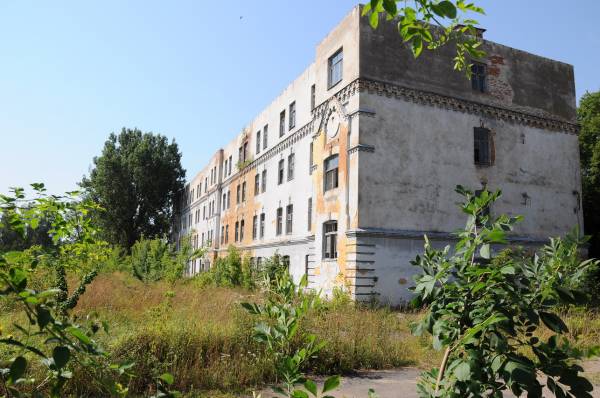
358	158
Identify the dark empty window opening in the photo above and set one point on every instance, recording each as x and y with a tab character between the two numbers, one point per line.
312	97
482	146
282	123
289	214
478	80
279	221
292	117
280	172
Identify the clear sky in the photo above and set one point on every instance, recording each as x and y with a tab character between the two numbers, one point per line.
71	72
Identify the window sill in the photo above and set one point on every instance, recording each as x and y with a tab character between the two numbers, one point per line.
329	87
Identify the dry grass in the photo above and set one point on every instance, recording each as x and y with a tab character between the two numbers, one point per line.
204	338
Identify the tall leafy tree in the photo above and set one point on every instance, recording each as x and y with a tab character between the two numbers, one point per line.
588	115
135	180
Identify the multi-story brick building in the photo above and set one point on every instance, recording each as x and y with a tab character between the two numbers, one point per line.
359	157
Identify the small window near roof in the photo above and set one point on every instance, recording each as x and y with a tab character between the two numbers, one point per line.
335	65
478	70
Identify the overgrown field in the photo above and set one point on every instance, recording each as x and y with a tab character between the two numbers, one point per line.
204	338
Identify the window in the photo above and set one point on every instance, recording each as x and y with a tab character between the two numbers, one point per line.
202	239
254	227
331	172
264	180
192	195
330	239
222	234
279	221
224	201
334	70
244	191
289	215
282	123
241	230
280	172
256	184
478	76
225	168
237	230
290	175
262	225
312	97
237	196
227	233
292	117
482	141
228	199
205	184
309	216
230	164
265	136
310	157
204	212
258	142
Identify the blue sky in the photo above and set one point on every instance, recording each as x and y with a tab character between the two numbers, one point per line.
71	72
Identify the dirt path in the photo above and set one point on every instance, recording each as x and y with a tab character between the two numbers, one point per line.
402	383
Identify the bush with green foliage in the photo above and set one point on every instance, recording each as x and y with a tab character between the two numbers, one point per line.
155	259
286	305
487	311
52	339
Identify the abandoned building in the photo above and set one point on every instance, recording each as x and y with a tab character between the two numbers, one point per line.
358	158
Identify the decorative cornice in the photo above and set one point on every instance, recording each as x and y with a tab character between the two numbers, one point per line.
465	106
272	244
361	148
432	235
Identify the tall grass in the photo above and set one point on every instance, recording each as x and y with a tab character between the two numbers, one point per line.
204	338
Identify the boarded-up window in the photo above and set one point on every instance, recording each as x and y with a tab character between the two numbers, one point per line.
478	76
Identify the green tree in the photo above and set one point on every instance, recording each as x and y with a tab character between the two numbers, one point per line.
588	115
486	311
136	181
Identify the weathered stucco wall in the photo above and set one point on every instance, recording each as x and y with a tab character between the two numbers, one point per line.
421	152
516	78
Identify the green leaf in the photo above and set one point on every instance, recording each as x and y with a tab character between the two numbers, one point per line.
484	251
17	369
61	356
463	371
553	322
331	384
79	335
507	270
417	45
167	378
445	9
311	387
374	19
299	394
